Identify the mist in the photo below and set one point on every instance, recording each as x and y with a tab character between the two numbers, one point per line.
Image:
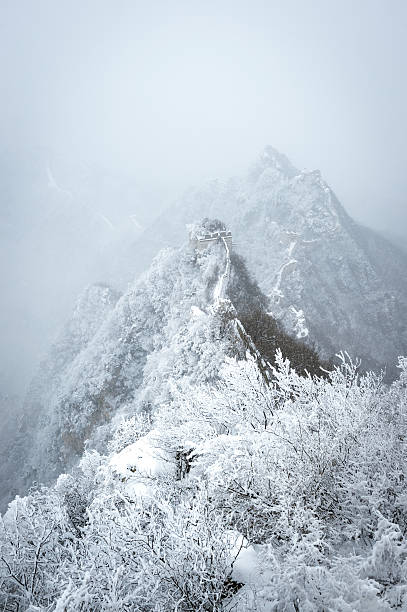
119	107
203	305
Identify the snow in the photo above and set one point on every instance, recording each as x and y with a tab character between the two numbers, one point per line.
291	248
220	287
52	184
137	489
240	456
144	457
135	222
299	326
243	556
331	208
247	472
107	221
196	312
245	568
141	463
276	291
268	209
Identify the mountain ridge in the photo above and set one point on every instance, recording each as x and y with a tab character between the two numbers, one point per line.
307	254
117	353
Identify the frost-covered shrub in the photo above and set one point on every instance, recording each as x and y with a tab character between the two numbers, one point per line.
36	543
388	554
128	430
331	450
308	474
159	557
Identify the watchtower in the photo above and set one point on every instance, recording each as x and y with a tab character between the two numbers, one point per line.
202	241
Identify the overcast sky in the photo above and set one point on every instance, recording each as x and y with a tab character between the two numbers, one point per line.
175	92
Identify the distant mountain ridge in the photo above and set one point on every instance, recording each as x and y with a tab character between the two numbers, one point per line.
328	278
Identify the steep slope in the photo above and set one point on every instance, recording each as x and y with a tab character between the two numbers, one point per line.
242	494
198	476
117	356
161	325
29	439
9	409
327	277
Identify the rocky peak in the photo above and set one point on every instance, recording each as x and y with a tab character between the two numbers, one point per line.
272	162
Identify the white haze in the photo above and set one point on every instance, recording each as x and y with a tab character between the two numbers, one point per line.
167	94
175	92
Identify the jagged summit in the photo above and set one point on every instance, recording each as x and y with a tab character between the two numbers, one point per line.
323	273
271	159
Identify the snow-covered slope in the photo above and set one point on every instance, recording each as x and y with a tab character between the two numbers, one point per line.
328	278
116	355
243	494
21	453
198	476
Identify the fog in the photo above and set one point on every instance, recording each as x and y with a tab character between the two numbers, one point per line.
161	95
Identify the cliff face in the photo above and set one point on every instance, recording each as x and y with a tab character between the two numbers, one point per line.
328	278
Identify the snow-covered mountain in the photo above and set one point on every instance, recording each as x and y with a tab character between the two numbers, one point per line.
31	441
210	479
186	464
114	352
117	354
328	278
